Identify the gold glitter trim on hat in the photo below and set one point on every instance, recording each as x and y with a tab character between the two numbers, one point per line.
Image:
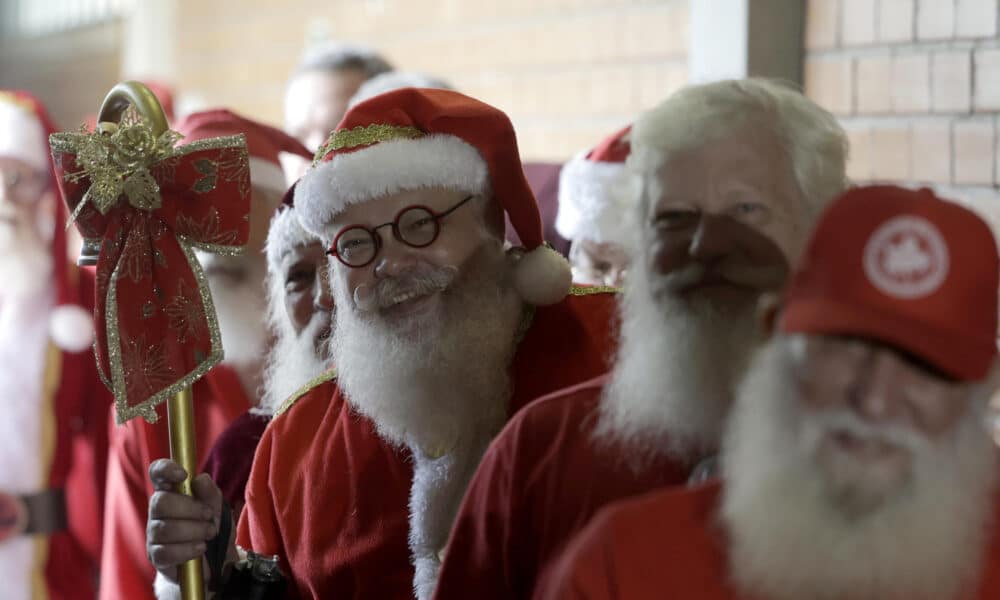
365	135
305	389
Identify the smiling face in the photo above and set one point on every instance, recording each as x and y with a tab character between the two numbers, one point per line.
403	282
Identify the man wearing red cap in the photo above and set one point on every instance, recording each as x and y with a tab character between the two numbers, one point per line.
226	392
441	334
732	174
857	463
53	435
596	195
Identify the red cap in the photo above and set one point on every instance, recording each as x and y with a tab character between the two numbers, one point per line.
417	138
70	325
264	143
905	268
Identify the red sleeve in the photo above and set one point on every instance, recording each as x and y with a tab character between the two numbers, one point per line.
125	570
585	571
481	553
258	526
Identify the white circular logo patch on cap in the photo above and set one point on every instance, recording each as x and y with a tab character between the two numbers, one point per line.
906	258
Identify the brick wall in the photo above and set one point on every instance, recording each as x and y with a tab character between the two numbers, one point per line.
916	83
568	72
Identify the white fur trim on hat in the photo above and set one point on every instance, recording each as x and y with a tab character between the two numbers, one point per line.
71	328
594	200
22	136
385	168
284	234
267	174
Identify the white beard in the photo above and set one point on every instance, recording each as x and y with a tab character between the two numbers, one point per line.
446	377
442	387
292	360
241	310
792	533
25	261
676	372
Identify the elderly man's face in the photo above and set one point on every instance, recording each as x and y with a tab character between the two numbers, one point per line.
461	234
308	300
724	219
598	263
24	197
316	101
872	404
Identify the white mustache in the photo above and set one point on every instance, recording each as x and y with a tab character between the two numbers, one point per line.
694	273
844	421
384	293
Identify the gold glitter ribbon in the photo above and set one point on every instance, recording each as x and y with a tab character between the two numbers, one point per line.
365	135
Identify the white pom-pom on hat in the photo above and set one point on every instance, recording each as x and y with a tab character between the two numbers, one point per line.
542	276
71	327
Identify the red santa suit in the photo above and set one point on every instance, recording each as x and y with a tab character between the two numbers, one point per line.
668	544
53	440
219	398
329	497
542	480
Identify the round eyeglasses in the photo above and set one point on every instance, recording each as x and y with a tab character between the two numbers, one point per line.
416	226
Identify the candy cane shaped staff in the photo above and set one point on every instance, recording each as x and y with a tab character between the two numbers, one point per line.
143	204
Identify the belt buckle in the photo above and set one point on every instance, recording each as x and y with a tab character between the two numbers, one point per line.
13	516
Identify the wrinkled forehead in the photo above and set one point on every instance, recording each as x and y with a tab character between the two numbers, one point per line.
752	159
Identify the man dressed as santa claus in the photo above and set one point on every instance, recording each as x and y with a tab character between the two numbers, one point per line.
596	195
732	175
53	431
441	333
858	462
227	391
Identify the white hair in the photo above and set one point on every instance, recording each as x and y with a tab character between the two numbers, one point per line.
794	528
814	142
334	57
292	360
395	80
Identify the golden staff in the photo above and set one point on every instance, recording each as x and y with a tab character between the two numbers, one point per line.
180	407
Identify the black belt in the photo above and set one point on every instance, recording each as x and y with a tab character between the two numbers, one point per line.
46	512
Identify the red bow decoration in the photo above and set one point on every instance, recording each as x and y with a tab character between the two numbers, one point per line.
150	204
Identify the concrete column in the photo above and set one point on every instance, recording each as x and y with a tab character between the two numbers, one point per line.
746	38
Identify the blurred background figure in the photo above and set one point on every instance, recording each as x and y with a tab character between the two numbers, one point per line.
321	86
53	434
394	80
596	193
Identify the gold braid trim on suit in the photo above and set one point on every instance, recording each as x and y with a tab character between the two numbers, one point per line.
589	290
305	389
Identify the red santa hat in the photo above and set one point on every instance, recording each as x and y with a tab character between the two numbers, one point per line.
905	268
24	133
285	232
418	138
596	191
264	143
